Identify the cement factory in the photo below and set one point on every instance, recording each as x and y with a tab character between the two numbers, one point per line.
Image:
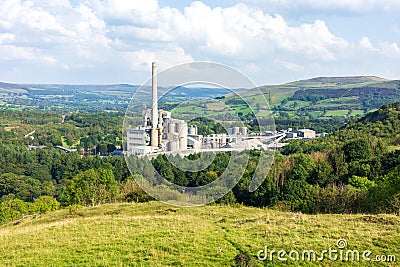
160	133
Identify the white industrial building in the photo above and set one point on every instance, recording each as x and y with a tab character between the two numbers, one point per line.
160	133
306	133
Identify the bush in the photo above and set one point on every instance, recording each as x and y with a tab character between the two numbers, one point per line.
338	199
227	199
12	209
361	183
90	187
298	194
130	191
45	204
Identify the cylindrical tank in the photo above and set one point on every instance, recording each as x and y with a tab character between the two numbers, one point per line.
235	130
173	146
181	128
243	130
182	131
193	130
171	127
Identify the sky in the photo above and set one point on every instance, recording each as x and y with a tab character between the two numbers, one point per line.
270	41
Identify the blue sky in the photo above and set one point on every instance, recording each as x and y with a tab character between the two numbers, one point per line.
270	41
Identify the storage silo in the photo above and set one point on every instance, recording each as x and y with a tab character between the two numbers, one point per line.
193	130
243	131
173	146
182	130
171	127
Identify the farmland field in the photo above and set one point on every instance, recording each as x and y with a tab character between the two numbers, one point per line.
336	113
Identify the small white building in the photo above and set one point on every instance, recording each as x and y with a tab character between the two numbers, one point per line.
306	133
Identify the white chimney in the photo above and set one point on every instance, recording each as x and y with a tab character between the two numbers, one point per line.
154	109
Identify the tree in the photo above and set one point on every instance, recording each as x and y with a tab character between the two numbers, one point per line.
29	189
206	178
90	187
130	191
303	167
298	194
9	183
358	149
394	201
322	174
12	209
361	183
386	189
266	194
45	204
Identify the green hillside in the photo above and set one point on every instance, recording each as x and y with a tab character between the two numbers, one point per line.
383	123
327	97
155	234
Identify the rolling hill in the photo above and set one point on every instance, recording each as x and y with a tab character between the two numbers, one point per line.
325	97
92	98
315	98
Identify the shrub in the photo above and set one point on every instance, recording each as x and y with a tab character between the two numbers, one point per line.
130	191
45	204
12	209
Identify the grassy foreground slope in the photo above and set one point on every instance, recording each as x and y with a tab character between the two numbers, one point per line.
154	234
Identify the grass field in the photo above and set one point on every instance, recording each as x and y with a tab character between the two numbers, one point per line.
357	112
155	234
336	113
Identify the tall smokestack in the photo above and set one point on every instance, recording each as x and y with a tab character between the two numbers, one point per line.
154	109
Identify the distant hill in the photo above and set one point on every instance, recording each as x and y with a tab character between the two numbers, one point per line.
91	98
328	97
340	80
340	98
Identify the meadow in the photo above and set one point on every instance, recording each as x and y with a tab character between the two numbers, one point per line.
155	234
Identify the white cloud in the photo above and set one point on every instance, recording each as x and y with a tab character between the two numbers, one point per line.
142	59
356	6
118	34
6	37
390	49
366	43
289	65
12	52
384	48
237	31
26	13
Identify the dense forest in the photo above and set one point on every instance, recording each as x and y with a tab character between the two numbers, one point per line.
355	169
89	132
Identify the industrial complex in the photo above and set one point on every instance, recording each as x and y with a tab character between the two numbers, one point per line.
160	133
